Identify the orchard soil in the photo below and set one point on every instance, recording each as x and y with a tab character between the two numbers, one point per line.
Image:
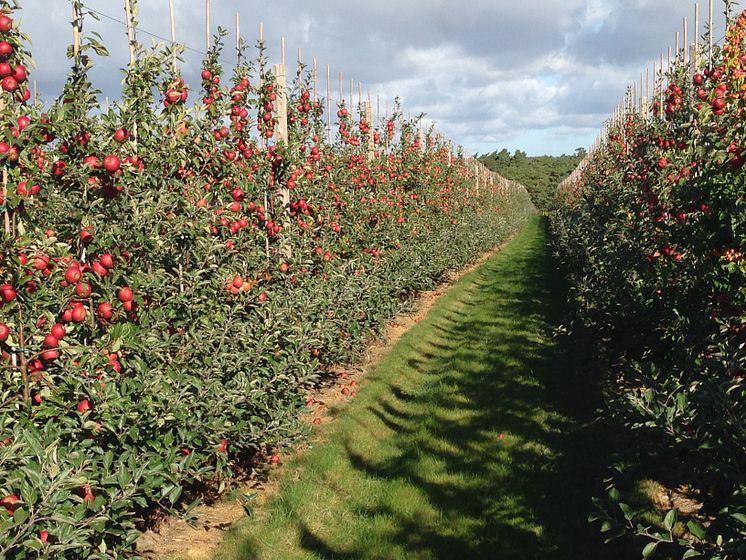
176	539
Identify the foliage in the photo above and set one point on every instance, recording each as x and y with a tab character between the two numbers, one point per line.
175	278
539	174
654	237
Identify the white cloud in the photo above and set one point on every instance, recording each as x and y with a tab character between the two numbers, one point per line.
537	74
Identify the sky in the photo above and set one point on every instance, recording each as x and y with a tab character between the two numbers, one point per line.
536	75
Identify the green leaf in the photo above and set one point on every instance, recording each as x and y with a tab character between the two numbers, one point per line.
108	459
670	520
696	529
649	549
627	511
174	495
691	553
20	515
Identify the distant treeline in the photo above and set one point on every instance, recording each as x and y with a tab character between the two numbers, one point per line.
539	174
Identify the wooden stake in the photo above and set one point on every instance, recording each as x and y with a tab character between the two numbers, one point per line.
328	104
695	59
371	140
282	103
341	93
130	30
24	364
238	39
261	32
208	24
283	194
641	91
77	24
711	29
173	32
676	58
315	76
686	40
282	50
6	212
662	86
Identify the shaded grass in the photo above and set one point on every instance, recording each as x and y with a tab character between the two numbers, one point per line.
472	439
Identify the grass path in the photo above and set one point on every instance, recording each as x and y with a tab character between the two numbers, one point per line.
472	439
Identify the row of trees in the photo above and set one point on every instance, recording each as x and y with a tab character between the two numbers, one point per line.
539	174
175	277
653	234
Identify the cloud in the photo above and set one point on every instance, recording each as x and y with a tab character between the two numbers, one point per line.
539	75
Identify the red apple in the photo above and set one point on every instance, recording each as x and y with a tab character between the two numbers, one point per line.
50	341
6	24
112	163
105	310
107	260
125	294
121	135
78	314
58	330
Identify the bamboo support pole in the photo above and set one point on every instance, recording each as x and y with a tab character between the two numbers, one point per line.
696	54
371	140
77	24
24	363
173	33
662	86
283	194
130	30
328	104
208	24
711	29
6	212
315	79
282	103
238	39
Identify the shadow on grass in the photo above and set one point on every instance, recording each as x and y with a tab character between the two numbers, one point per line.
491	422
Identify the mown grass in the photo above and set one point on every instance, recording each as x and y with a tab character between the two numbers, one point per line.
472	439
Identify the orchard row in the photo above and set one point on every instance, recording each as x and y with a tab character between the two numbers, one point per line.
653	233
176	277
